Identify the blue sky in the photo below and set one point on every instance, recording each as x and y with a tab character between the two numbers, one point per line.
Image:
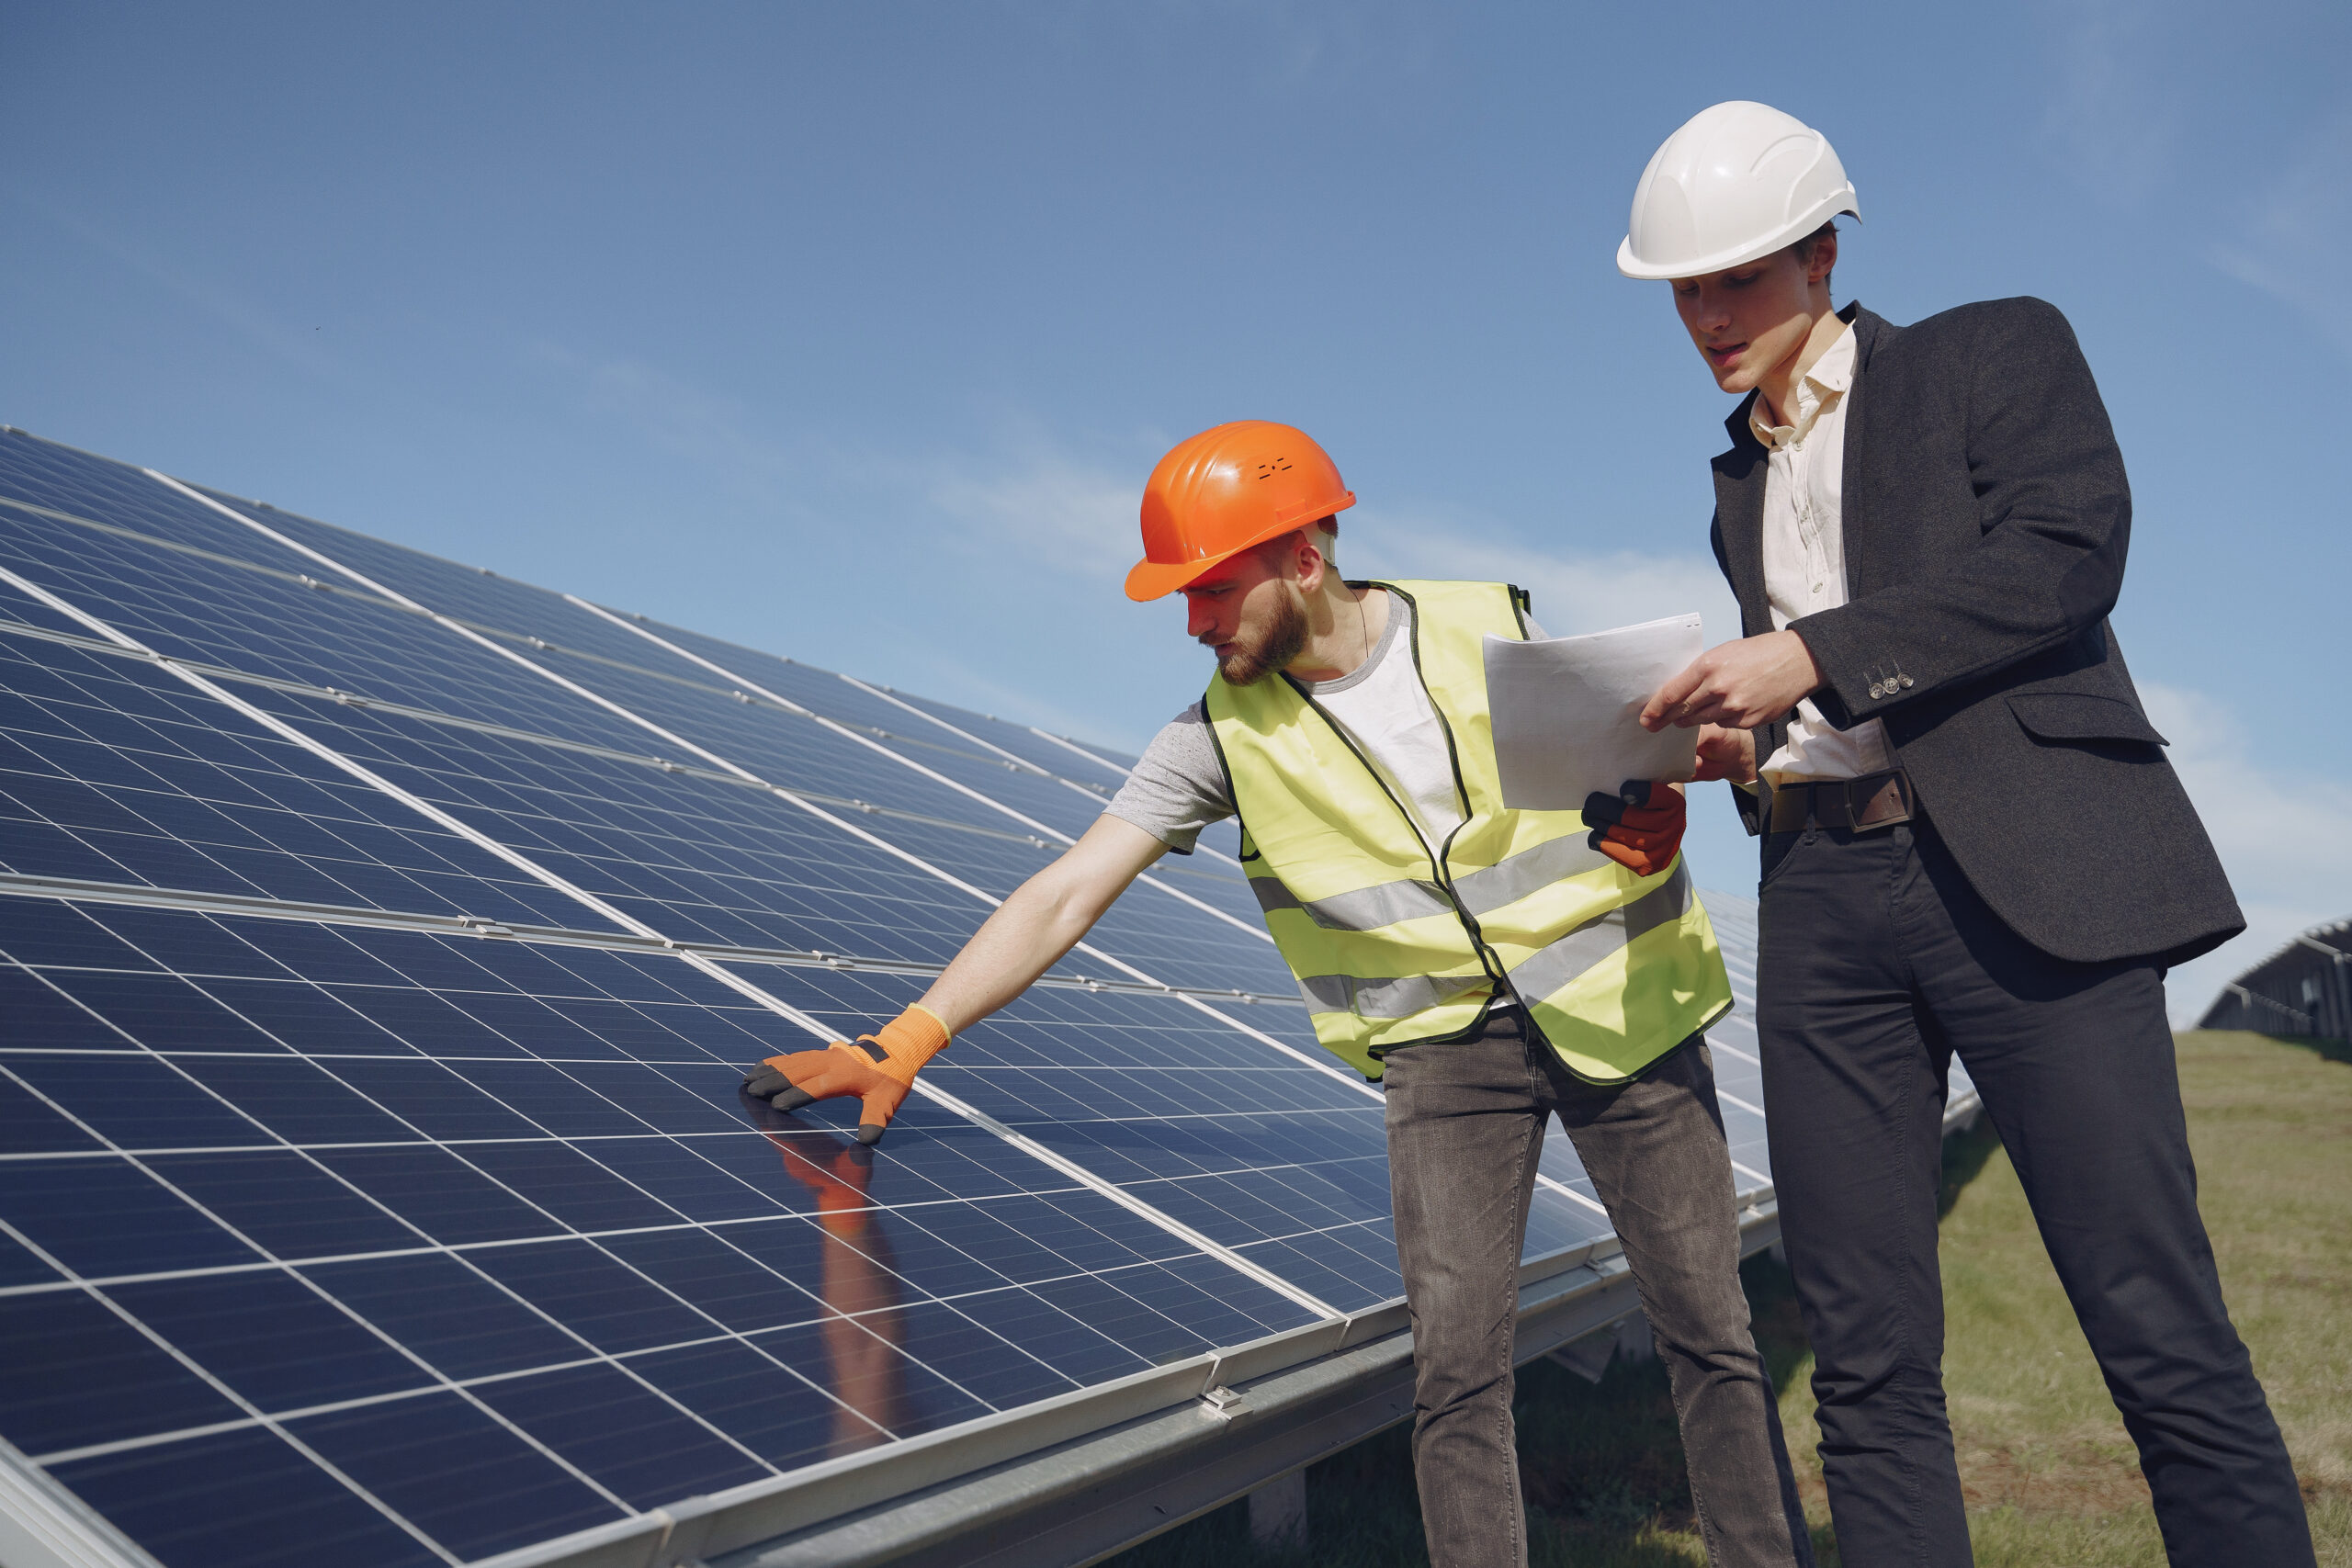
851	332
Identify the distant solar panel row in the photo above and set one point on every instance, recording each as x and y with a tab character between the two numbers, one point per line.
380	943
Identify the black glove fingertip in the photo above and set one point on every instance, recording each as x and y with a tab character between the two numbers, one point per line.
1604	809
1634	792
869	1134
791	1099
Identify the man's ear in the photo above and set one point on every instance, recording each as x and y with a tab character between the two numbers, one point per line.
1308	561
1825	257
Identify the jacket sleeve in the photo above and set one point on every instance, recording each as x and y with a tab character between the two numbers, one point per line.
2056	514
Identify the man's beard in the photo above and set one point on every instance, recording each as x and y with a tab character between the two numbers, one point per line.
1280	643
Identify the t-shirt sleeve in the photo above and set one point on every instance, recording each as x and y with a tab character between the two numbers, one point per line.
1179	786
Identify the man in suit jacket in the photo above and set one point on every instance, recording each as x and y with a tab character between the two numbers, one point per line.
1971	842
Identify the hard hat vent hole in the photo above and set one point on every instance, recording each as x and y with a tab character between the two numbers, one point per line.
1269	469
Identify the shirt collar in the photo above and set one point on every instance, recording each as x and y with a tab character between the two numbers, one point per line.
1831	376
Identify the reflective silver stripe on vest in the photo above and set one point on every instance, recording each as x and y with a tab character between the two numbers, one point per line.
1545	971
1366	910
1536	976
1400	997
1530	870
1483	892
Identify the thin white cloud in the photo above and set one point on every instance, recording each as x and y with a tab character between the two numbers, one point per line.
1081	519
1574	591
1064	514
2285	837
294	344
2292	241
2112	112
712	432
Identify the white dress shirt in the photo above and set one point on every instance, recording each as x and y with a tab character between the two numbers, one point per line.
1804	556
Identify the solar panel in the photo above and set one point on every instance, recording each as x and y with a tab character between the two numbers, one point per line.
380	943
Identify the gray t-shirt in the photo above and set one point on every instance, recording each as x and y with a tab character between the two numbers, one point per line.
1179	787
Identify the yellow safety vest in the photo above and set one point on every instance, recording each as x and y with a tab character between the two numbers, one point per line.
1392	942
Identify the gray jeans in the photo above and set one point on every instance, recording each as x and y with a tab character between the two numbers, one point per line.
1465	1125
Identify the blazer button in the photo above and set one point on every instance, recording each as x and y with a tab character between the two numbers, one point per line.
1878	691
1907	683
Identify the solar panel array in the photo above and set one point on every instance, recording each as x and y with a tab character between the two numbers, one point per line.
380	943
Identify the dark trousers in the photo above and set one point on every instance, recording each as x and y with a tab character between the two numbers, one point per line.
1876	962
1465	1126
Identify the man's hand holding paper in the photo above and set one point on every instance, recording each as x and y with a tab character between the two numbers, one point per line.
1566	712
1568	736
1738	685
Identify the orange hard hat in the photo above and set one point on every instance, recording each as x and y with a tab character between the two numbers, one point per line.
1225	490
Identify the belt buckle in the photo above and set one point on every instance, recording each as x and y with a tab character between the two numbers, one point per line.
1887	806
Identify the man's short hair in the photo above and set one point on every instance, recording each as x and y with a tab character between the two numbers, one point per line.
1811	242
1324	535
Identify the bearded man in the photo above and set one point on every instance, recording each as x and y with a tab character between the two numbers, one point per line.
1492	967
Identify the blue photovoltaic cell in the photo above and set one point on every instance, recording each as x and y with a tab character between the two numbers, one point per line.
1280	1159
112	771
58	479
1078	765
587	1202
347	1240
17	606
191	607
698	859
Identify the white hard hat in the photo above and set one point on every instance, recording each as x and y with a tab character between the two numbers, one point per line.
1738	180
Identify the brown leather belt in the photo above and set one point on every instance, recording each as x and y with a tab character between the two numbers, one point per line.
1864	805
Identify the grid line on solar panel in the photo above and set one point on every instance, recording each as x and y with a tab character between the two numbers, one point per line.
327	754
113	769
343	760
1231	895
1130	1091
1066	829
1040	750
1248	928
138	1159
258	621
350	699
477	938
1107	1189
445	574
868	690
1344	1244
941	720
1218	896
558	808
50	476
664	1349
210	528
83	890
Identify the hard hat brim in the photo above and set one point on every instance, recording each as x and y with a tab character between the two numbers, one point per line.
1843	203
1148	579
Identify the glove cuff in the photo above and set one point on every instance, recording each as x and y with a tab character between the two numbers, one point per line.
905	1044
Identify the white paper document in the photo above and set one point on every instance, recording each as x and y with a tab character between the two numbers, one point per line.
1565	712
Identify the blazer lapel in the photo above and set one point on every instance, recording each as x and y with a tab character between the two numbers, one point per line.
1739	514
1868	331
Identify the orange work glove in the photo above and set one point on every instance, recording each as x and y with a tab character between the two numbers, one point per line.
1640	826
878	1069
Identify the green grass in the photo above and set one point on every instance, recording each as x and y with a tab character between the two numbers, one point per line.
2050	1475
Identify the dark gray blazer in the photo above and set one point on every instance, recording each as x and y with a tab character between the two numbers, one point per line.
1986	517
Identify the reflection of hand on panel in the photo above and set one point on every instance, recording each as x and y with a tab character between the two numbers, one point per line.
855	1279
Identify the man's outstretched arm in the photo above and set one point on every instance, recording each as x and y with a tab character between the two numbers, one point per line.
1027	935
